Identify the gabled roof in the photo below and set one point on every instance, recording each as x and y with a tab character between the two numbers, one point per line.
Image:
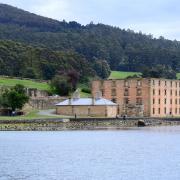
86	102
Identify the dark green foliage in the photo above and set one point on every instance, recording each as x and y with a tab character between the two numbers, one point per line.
73	79
134	76
102	68
29	72
65	82
59	85
17	59
159	71
86	90
64	46
14	98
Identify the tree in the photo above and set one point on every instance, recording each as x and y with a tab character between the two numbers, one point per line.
48	46
159	71
30	73
59	85
73	78
102	68
14	98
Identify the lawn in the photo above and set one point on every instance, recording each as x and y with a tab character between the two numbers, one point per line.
31	115
178	75
84	94
8	82
122	74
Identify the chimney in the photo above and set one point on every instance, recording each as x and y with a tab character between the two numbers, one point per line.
69	101
93	101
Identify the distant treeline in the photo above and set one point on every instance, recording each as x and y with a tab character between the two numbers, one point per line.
92	50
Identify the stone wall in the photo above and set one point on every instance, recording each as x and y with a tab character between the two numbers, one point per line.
33	93
44	102
81	124
133	110
103	111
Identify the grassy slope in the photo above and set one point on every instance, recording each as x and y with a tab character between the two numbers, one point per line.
27	83
83	94
178	75
9	82
32	115
122	74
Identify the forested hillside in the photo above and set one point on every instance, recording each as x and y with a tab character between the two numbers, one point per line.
54	45
20	60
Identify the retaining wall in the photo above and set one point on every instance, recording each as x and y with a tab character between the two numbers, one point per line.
78	124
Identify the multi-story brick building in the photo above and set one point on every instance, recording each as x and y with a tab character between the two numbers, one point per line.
142	96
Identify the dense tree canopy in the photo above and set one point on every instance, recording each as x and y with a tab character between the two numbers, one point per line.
159	71
14	98
17	59
56	45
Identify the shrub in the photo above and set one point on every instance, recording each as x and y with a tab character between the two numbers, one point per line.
86	90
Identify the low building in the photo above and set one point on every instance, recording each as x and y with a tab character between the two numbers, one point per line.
94	107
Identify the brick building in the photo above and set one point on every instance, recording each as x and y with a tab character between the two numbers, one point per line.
142	96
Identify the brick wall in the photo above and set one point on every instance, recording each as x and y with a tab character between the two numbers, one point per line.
159	97
130	91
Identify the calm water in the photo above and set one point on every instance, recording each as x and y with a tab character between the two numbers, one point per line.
143	154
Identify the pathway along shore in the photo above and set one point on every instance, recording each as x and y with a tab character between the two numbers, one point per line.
83	124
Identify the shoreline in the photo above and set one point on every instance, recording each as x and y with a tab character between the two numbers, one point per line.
83	124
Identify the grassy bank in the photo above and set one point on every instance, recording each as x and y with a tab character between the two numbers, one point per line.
31	115
178	75
9	82
122	74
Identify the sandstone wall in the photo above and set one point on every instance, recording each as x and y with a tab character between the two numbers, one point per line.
103	111
44	102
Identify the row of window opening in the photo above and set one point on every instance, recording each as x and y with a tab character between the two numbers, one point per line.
165	111
165	92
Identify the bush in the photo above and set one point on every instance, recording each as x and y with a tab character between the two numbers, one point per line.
86	90
14	98
60	86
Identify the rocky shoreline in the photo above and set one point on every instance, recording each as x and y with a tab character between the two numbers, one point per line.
82	124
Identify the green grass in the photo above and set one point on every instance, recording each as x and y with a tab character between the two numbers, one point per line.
83	94
31	115
122	74
8	82
178	75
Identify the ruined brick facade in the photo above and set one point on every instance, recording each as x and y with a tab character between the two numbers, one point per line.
142	96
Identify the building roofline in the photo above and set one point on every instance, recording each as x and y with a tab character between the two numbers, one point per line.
139	79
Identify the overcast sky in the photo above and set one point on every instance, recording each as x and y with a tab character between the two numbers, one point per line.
157	17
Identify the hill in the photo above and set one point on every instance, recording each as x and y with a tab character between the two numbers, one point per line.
10	82
100	46
20	60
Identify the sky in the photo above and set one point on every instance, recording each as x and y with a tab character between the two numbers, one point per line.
156	17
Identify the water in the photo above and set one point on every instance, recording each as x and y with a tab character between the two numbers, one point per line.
142	154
